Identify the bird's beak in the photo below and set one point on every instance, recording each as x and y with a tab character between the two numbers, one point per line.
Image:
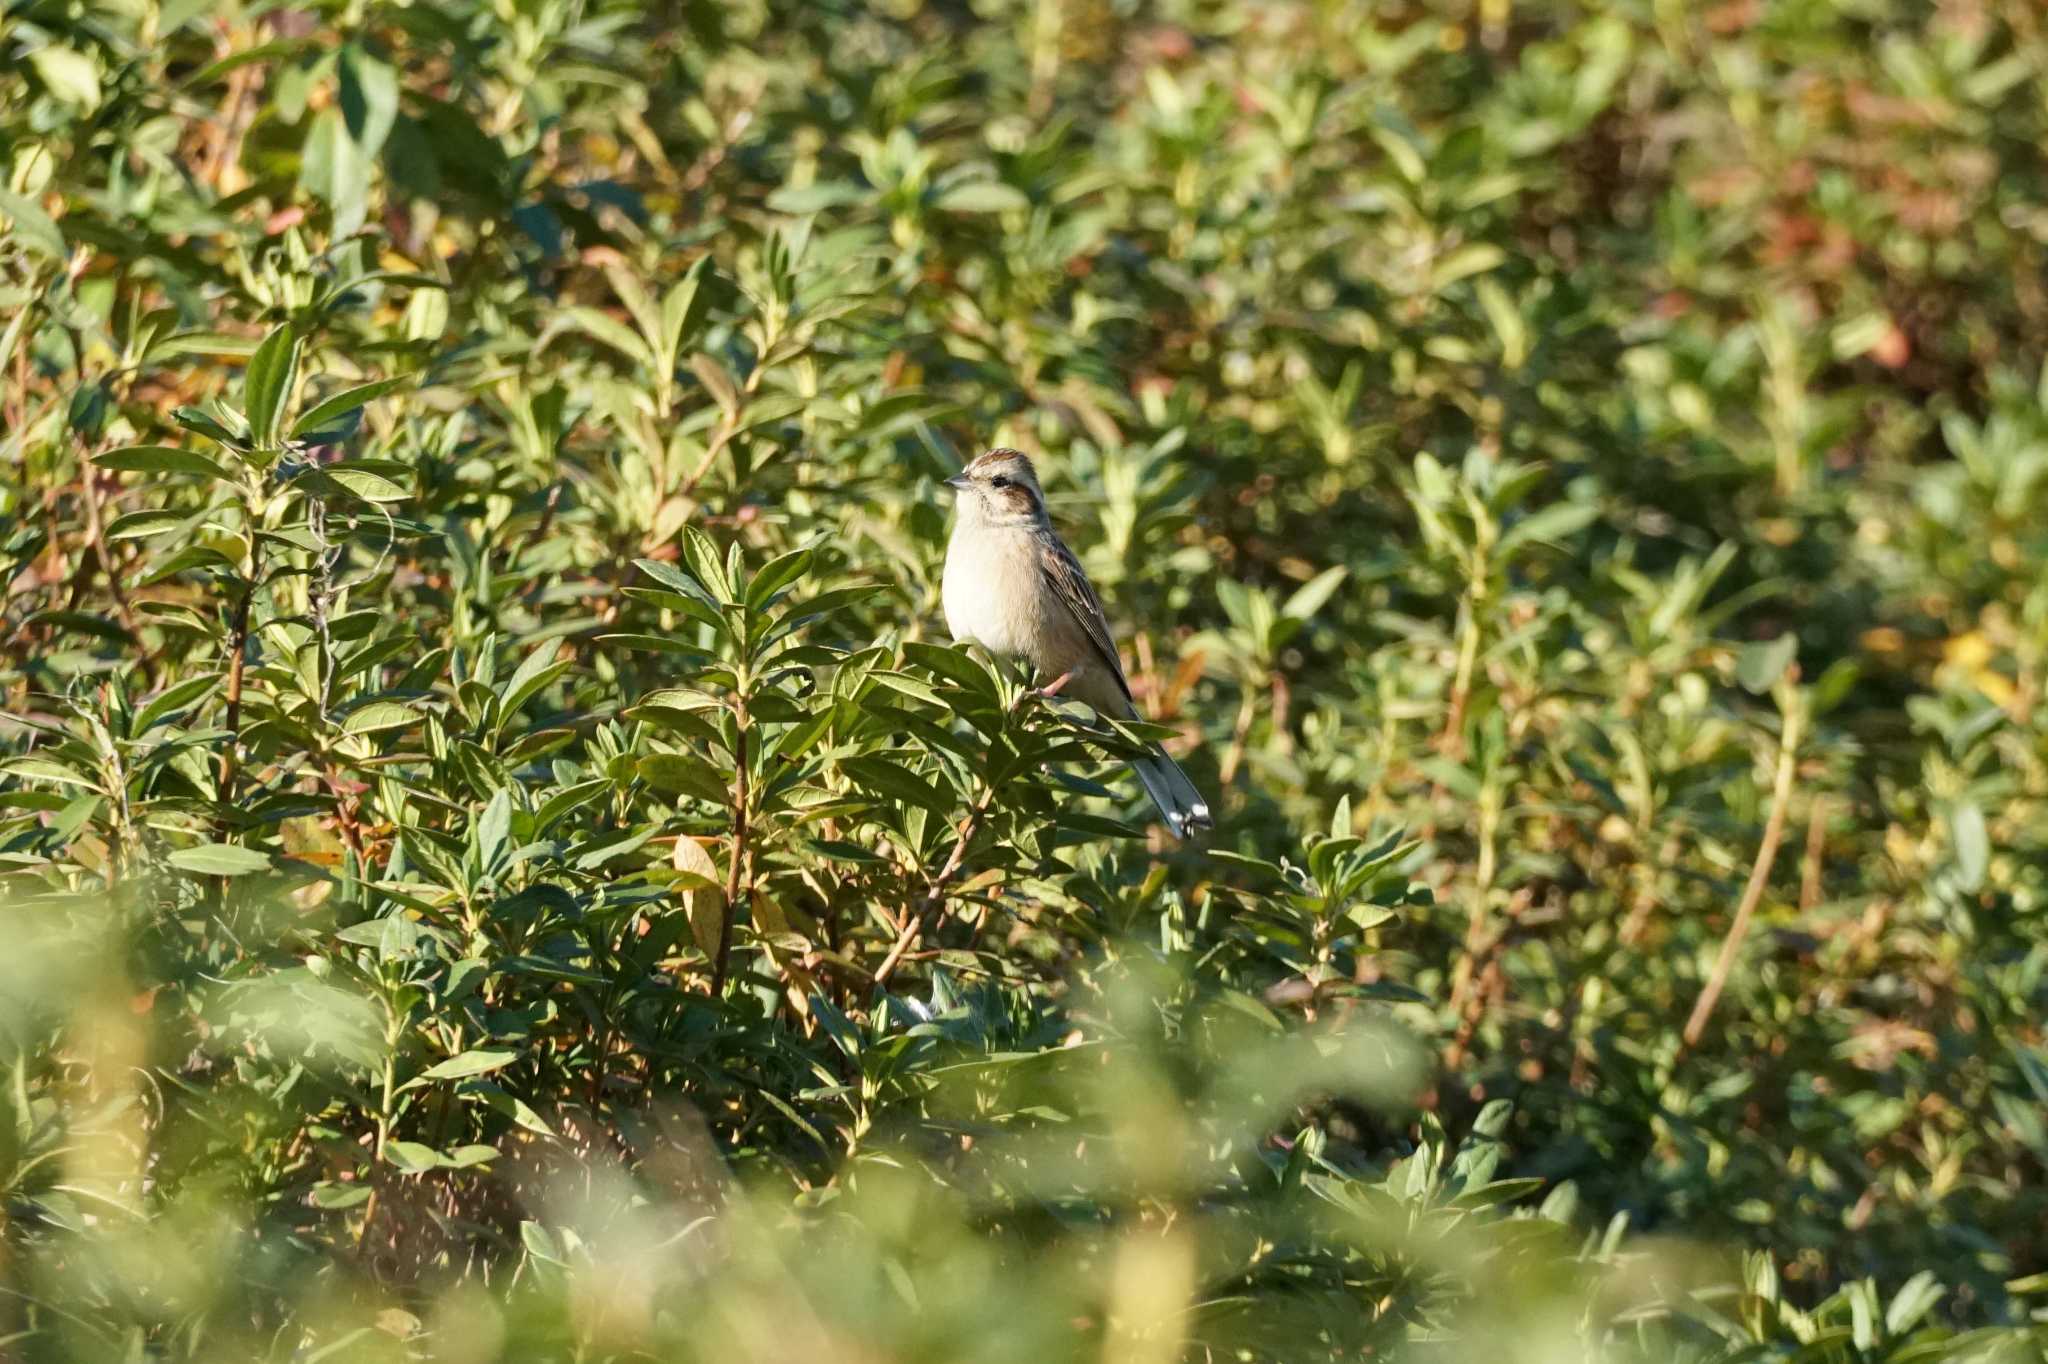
958	483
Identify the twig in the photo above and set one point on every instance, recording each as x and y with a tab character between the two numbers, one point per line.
1646	894
935	892
1452	741
1816	844
1477	945
935	895
1045	56
17	401
1760	873
734	868
235	116
1240	734
228	754
96	540
728	427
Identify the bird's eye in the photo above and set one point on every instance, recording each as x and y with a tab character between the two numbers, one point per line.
1000	481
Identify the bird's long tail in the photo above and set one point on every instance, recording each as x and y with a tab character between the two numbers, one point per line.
1178	800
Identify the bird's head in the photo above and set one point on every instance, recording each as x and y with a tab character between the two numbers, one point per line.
999	489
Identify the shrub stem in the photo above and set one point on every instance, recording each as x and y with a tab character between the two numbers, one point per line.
935	896
735	869
1793	711
238	643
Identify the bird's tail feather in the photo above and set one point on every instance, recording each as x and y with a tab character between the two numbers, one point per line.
1178	800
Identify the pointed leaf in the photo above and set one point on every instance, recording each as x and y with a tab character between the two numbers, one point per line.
333	419
479	1062
1310	596
220	859
159	459
982	196
776	575
681	311
268	383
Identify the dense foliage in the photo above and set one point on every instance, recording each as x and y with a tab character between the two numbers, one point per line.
501	860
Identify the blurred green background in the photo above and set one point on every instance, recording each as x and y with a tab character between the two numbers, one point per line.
501	861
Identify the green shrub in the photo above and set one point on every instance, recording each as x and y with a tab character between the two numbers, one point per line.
502	861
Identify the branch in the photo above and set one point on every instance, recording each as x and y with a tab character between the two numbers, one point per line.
935	896
736	867
229	753
1759	874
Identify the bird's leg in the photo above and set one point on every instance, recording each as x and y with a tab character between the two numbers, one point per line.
1052	688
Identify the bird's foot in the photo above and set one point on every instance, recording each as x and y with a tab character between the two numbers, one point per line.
1052	688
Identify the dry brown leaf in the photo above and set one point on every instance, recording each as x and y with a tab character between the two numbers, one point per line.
705	907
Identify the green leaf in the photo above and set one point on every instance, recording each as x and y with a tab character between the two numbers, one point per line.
334	170
1760	665
1506	319
173	699
394	936
411	1157
192	419
140	523
379	715
956	666
1972	839
776	575
563	802
493	829
181	344
1914	1299
32	226
372	484
479	1062
612	332
513	1107
539	1244
705	565
535	672
682	311
1310	596
897	783
268	383
47	769
331	1196
69	74
826	603
717	382
159	459
815	197
1553	525
369	99
684	774
220	859
1474	259
336	418
677	580
261	53
1399	145
982	196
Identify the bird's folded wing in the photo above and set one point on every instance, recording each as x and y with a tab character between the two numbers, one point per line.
1062	572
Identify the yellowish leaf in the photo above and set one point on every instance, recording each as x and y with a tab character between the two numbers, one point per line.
705	907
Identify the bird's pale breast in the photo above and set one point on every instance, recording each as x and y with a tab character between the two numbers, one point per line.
996	597
995	594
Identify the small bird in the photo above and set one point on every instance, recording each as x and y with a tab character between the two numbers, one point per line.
1013	588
